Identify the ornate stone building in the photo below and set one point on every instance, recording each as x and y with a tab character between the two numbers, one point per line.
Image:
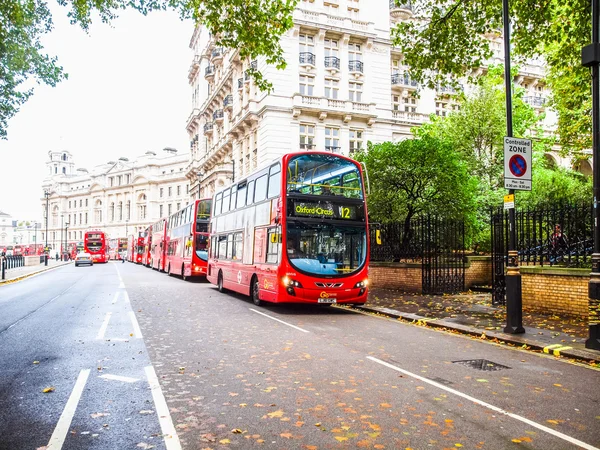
120	197
345	84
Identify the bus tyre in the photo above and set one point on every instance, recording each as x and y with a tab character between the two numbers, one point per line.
169	269
183	277
255	292
220	282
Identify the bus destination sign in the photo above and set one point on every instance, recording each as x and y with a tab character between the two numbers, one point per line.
325	210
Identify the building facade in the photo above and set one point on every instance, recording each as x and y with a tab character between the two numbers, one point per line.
344	85
6	229
120	197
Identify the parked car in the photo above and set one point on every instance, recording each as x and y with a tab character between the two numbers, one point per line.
83	258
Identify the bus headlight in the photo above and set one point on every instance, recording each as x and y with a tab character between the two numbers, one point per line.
287	281
361	284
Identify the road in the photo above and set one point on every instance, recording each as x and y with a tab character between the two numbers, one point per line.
282	377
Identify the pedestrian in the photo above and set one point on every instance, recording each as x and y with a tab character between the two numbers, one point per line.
56	257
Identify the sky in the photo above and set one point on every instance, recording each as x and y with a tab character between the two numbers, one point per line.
127	93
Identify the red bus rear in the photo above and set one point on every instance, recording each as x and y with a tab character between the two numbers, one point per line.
96	244
294	232
147	255
187	240
158	250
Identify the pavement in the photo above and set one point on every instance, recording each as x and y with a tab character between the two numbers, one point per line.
473	313
19	273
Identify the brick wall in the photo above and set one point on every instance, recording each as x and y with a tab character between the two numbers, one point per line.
408	277
556	290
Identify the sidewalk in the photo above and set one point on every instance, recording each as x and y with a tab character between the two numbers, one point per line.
473	313
18	273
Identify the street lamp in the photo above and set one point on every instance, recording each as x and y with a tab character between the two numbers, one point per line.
200	179
62	227
66	240
47	195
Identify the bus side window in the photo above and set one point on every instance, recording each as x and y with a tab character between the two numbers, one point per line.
237	246
274	181
230	246
222	247
261	188
250	194
233	198
241	198
273	245
226	196
218	202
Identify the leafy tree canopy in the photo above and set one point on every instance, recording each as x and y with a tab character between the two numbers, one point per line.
450	39
253	26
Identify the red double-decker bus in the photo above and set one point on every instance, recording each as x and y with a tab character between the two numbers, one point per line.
96	244
295	231
187	240
147	255
137	250
158	249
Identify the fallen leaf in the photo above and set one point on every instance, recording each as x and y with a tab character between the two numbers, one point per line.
385	405
146	411
144	445
341	438
36	362
286	435
553	422
96	415
278	413
48	389
224	441
516	441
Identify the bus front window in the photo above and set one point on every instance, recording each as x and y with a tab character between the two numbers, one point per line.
202	247
321	249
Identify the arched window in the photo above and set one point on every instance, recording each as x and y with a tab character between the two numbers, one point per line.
64	158
64	170
120	211
128	210
112	212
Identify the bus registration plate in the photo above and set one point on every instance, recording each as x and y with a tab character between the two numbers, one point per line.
327	300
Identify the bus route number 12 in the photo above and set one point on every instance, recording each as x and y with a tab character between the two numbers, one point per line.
345	213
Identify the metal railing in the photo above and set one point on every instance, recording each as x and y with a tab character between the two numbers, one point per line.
240	83
10	262
355	66
332	61
218	51
307	58
403	79
209	71
208	127
228	101
535	101
218	114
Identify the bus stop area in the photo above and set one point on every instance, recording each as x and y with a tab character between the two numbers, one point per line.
472	313
18	273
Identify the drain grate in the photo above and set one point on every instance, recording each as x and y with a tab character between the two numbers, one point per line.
481	364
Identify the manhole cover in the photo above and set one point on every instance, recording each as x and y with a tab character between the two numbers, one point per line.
481	364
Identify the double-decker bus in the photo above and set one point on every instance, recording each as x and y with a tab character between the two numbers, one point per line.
295	231
147	255
187	240
137	250
96	244
158	249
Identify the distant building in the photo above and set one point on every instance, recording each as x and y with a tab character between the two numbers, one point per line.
119	197
6	229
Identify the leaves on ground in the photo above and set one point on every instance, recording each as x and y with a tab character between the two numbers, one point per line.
48	389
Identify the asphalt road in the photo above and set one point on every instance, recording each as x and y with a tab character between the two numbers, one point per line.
283	377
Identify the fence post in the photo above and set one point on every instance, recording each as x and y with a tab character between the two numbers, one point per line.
4	268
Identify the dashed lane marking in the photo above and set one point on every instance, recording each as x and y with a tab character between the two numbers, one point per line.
62	427
280	321
119	378
115	298
137	332
162	410
104	326
487	405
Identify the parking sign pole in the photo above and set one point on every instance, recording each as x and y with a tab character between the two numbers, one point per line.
514	300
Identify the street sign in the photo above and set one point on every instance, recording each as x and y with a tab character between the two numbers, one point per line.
509	201
517	164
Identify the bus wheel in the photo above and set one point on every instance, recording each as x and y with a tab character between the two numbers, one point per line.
256	292
169	269
220	282
183	277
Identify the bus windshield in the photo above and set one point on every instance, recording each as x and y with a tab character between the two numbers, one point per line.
327	175
324	249
202	247
94	244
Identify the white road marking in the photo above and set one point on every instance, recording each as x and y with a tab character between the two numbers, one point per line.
119	378
62	427
115	298
162	410
117	339
487	405
104	326
281	321
121	285
125	297
137	332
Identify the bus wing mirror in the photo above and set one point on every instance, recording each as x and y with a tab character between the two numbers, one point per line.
366	172
378	237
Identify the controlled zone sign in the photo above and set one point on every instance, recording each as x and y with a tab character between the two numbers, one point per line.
517	164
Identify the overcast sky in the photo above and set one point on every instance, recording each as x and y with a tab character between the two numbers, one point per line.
127	93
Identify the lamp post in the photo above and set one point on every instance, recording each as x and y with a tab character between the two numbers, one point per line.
590	57
66	239
47	195
62	228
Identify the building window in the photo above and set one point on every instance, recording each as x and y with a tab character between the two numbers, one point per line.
356	140
86	202
331	8
112	212
178	191
64	170
410	104
353	9
80	218
187	188
355	91
307	43
86	218
396	100
120	211
119	180
178	206
332	139
331	47
170	191
332	87
69	204
74	219
169	207
307	136
127	178
354	52
80	234
160	211
111	181
80	203
162	191
128	210
307	85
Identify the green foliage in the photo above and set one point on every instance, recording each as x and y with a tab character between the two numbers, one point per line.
252	26
453	44
555	186
417	176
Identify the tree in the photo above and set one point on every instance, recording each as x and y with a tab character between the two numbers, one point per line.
449	39
414	177
252	26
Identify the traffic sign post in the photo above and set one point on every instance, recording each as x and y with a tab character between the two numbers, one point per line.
517	164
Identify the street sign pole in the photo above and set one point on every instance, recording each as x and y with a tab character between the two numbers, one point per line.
514	300
590	57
